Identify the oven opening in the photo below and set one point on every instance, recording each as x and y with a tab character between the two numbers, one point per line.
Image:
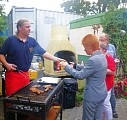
67	55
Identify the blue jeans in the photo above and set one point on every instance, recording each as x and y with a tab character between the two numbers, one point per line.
113	100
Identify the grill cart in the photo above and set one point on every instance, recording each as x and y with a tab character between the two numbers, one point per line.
43	106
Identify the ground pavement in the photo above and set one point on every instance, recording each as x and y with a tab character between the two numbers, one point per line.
76	112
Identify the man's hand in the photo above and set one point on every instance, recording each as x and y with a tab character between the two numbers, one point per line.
63	63
117	61
60	59
11	67
71	64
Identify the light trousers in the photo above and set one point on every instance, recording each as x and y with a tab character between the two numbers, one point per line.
107	109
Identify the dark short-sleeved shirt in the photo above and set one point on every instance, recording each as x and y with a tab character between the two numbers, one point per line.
21	53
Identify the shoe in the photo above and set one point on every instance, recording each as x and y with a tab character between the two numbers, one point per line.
115	115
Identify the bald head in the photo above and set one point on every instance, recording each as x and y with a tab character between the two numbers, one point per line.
104	38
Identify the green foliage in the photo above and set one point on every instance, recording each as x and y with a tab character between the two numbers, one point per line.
2	39
3	24
3	17
85	7
76	6
113	22
79	95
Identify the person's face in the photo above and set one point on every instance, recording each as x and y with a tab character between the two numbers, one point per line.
25	29
103	39
88	49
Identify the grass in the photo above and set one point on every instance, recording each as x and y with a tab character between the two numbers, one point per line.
79	96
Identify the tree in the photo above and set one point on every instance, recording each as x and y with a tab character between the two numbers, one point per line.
3	23
3	18
85	7
115	24
5	0
76	6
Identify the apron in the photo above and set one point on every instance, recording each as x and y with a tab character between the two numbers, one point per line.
15	81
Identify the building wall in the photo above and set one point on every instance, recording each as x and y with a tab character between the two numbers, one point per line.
77	34
81	27
45	20
41	22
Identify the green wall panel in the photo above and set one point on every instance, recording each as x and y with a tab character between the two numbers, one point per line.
82	58
87	21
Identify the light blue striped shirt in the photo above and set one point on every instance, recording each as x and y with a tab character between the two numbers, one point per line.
111	50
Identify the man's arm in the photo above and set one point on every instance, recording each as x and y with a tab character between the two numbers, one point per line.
51	57
6	64
110	72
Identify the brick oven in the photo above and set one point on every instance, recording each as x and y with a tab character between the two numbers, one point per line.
60	46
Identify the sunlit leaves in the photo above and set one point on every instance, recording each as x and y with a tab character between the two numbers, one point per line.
85	7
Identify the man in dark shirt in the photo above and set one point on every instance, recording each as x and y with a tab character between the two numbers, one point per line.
16	56
17	53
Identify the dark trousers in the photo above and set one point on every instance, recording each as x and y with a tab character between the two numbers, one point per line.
113	100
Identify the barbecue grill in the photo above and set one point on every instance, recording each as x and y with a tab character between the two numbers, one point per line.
25	101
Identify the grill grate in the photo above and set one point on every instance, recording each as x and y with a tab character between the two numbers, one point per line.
26	100
26	94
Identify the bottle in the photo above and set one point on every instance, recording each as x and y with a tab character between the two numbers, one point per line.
57	66
82	63
61	67
40	65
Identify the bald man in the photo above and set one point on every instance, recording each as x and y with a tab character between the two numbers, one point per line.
112	51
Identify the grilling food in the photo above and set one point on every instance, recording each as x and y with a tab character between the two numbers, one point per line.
36	86
40	91
36	90
47	87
